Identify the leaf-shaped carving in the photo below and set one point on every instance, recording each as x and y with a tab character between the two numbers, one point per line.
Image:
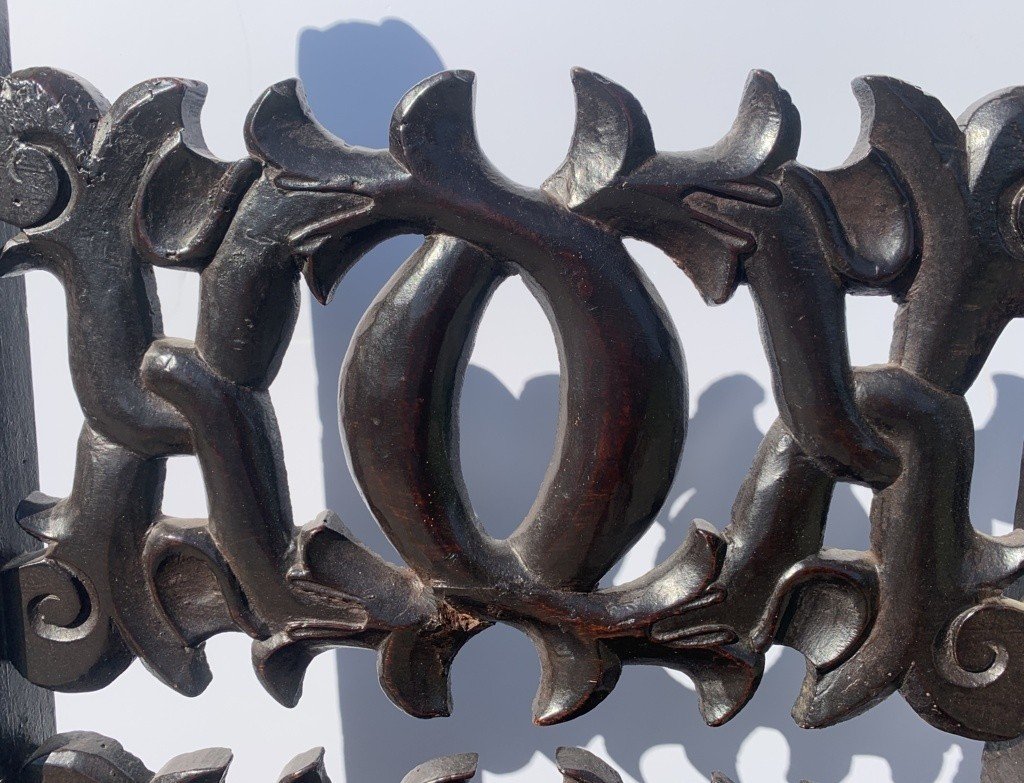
925	209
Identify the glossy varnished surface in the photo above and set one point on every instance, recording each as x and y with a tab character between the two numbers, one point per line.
925	210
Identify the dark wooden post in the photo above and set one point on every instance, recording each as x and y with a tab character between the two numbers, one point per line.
26	712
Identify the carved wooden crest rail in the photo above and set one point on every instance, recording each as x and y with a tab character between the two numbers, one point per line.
926	210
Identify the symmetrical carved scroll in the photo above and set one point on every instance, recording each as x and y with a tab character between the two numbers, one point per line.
926	210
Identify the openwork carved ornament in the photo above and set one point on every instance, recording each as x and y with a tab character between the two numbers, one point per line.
926	210
85	757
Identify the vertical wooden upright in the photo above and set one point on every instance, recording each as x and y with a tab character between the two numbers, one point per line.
26	712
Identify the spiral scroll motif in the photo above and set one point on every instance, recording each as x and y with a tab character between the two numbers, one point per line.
85	757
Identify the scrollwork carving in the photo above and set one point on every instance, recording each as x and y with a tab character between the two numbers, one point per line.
86	757
925	210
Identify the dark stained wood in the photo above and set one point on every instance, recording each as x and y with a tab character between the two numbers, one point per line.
26	711
85	757
1003	762
926	210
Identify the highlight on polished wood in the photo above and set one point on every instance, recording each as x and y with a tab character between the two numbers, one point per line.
927	210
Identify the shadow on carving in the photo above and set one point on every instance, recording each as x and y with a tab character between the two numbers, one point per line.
926	210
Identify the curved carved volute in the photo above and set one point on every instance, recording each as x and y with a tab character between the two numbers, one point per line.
924	210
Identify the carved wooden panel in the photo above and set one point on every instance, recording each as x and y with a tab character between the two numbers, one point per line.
926	210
